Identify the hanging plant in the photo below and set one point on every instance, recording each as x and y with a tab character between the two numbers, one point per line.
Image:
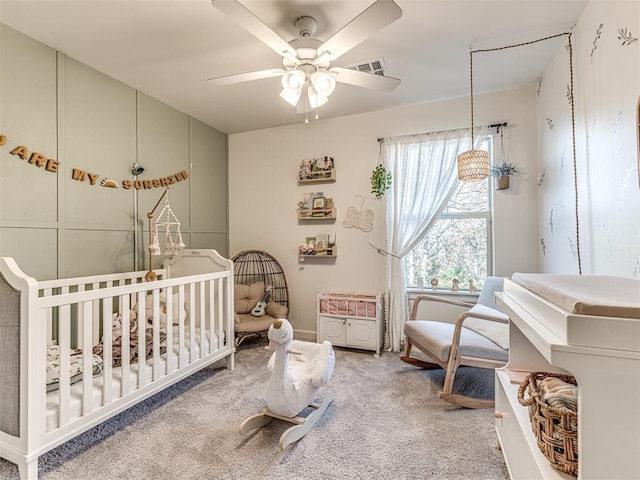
504	169
380	181
380	178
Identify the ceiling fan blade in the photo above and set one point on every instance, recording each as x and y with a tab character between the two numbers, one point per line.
246	77
247	20
376	17
363	79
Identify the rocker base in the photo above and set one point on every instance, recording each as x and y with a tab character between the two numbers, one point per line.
466	402
292	434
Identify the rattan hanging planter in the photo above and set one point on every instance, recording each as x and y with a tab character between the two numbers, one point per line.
502	182
502	170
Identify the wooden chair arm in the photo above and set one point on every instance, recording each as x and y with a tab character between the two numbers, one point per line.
457	331
481	316
433	298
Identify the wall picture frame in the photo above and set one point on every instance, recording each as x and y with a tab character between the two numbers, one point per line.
319	203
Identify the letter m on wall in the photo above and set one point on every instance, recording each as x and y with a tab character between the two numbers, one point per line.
78	174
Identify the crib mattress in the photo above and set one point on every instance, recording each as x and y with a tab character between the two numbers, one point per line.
75	404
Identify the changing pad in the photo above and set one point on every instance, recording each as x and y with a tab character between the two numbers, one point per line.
600	295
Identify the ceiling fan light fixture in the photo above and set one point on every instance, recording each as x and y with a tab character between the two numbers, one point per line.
323	83
290	96
316	99
293	80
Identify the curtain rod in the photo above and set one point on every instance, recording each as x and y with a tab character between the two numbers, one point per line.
497	126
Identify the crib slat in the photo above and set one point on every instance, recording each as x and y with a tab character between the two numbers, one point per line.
169	330
203	316
141	334
192	322
181	322
64	341
211	315
87	358
222	285
155	339
76	318
107	352
125	343
46	292
96	316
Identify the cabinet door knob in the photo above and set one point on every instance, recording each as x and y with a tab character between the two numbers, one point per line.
497	414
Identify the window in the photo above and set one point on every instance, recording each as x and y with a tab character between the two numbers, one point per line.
459	244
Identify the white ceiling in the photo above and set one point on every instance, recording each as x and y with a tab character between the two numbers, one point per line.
168	48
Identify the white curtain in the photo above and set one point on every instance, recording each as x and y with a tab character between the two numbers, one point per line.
424	175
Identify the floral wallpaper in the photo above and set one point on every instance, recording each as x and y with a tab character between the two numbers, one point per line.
601	181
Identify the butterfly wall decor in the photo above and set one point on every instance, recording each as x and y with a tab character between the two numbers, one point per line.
360	219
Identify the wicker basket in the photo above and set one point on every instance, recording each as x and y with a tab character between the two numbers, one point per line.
556	429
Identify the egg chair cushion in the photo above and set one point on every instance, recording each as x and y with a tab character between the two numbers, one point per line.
246	297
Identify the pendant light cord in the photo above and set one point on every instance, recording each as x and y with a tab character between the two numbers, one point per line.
473	139
575	163
573	121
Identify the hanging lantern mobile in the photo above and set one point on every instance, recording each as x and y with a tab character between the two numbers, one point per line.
168	225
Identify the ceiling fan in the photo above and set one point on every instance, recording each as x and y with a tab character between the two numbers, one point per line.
306	60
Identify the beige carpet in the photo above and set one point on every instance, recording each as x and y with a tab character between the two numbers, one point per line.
385	422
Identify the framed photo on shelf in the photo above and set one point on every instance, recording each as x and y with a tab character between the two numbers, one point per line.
319	203
322	241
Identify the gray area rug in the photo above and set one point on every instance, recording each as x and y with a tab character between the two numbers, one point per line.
385	422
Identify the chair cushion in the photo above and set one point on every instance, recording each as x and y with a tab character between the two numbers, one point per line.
495	331
435	338
276	310
247	323
246	297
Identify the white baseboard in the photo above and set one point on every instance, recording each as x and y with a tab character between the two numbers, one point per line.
305	335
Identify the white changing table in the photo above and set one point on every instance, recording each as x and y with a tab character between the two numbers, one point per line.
602	353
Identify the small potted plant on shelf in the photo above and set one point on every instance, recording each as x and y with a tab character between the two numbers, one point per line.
501	172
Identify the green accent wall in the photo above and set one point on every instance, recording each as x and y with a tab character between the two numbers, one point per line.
55	225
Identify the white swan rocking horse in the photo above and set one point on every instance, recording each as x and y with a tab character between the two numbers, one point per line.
298	370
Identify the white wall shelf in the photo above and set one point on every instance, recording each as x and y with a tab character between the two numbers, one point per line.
324	176
317	214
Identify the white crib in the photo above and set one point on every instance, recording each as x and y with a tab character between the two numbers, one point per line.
190	311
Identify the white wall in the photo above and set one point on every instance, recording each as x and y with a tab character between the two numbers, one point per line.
263	192
607	88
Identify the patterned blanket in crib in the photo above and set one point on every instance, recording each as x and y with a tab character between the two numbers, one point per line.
116	343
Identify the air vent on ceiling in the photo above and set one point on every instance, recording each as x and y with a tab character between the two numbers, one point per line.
375	66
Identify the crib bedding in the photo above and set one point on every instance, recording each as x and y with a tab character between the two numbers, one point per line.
75	403
76	366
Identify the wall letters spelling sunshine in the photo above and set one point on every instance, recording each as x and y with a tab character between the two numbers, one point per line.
51	165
